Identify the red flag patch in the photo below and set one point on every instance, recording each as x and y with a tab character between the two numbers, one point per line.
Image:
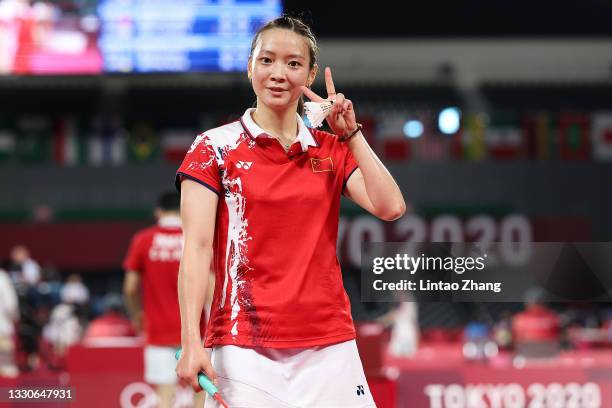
321	165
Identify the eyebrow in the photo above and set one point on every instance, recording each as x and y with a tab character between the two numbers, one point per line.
300	56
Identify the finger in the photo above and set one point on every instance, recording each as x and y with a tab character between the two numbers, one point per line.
346	105
195	385
211	374
339	103
329	83
311	95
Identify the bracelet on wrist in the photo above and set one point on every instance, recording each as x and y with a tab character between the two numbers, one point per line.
349	136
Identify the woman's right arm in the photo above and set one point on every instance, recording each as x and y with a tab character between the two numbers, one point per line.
198	213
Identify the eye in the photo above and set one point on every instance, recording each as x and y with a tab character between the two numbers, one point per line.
294	64
265	60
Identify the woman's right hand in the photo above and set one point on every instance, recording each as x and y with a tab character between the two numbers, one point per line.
193	361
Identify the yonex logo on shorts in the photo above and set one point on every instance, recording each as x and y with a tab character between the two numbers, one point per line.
244	165
360	390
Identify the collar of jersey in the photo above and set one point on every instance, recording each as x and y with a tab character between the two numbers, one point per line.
169	221
304	135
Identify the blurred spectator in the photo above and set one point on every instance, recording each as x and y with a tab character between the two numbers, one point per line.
9	313
74	291
502	330
50	286
28	332
63	329
112	323
477	343
23	268
405	331
536	331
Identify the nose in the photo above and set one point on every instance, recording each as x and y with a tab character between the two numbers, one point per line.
278	72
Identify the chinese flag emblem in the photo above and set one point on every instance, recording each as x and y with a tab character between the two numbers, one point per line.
320	165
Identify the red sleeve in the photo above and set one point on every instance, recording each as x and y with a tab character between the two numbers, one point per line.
200	165
134	260
350	165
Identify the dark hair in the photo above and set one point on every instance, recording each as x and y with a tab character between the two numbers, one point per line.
297	26
169	201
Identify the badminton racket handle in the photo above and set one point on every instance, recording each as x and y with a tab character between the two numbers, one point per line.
203	380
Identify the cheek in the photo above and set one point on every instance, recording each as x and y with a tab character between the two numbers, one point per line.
258	79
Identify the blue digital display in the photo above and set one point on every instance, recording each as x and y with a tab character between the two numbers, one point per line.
171	36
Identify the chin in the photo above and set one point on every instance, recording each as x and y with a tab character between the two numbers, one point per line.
277	103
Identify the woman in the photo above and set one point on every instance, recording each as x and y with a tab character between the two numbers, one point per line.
260	201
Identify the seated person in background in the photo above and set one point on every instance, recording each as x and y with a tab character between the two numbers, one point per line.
9	314
74	291
24	269
63	329
112	323
536	330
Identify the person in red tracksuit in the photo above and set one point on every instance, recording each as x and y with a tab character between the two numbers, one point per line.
151	295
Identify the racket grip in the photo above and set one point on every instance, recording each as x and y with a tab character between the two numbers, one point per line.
203	380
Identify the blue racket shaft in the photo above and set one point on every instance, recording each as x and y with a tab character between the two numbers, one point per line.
203	380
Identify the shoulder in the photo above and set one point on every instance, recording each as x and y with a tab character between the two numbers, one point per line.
221	135
322	137
144	234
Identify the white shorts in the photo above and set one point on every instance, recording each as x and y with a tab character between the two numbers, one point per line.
319	377
160	365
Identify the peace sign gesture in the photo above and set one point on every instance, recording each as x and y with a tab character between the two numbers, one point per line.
341	119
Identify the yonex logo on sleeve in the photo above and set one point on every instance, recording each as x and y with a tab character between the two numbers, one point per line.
244	165
360	390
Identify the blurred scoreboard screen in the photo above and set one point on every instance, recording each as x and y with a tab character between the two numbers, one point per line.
170	36
132	36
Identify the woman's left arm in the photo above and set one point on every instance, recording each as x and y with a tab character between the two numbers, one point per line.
371	185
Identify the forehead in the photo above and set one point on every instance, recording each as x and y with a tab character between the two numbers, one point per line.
280	41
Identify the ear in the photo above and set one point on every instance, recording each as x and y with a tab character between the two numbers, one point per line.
249	69
313	74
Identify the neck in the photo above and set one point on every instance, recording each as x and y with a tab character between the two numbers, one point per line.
169	219
281	124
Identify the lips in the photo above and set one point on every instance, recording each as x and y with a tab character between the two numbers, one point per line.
276	89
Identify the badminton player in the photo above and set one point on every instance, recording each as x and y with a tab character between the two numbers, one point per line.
150	290
260	198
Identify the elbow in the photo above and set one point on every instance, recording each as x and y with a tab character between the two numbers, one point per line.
394	212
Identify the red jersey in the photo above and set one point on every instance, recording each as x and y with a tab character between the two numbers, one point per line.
278	282
155	253
537	323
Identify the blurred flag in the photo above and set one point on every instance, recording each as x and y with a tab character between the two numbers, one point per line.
431	145
390	135
573	136
175	143
601	135
8	142
143	143
539	135
34	142
69	147
107	144
474	136
504	138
